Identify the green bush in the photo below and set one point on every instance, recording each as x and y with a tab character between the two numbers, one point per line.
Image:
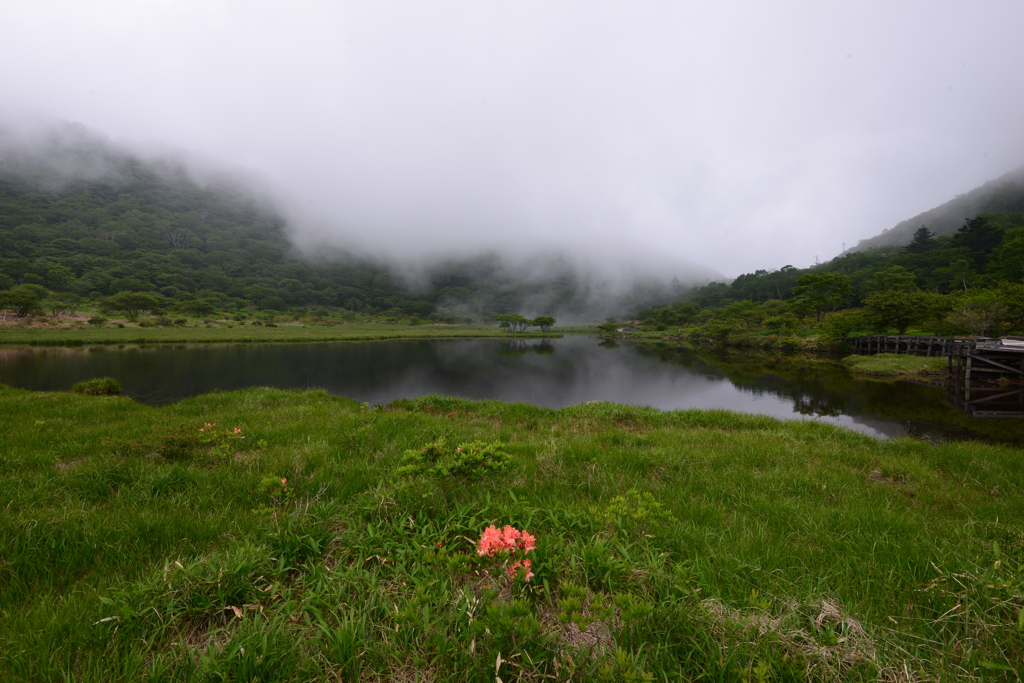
98	386
467	461
842	324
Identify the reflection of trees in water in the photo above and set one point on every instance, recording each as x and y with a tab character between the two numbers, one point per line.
807	404
609	344
819	387
544	347
512	348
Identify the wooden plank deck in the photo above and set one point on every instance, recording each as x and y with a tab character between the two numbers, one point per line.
980	354
972	364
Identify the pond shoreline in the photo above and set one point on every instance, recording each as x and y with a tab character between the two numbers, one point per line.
541	371
254	334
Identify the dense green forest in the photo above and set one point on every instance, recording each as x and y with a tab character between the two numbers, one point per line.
154	229
987	250
966	283
82	221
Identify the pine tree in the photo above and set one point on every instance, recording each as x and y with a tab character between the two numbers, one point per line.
924	239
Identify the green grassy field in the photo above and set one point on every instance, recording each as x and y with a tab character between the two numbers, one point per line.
222	332
895	365
669	545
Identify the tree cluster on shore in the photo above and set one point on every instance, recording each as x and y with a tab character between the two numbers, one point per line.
515	322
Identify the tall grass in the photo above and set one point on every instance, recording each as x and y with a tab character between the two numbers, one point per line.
691	545
893	364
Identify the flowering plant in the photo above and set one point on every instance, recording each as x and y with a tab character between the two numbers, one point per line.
508	541
219	442
278	490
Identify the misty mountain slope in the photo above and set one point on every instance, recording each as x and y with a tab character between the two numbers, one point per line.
79	213
1004	194
985	252
975	240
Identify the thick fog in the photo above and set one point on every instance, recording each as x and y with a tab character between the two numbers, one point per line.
735	136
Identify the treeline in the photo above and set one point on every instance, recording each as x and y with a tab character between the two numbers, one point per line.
966	283
1003	194
987	250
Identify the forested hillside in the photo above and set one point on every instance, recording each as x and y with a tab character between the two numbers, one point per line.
1004	194
983	252
971	282
82	220
145	227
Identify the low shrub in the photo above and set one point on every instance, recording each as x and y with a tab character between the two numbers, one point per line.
98	386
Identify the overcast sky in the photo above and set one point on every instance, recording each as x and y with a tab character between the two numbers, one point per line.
737	135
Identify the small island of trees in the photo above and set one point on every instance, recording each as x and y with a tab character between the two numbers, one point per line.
514	322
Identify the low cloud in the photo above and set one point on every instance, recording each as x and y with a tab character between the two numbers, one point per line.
666	138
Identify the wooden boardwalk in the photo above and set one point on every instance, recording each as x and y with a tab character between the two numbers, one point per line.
902	343
970	362
980	354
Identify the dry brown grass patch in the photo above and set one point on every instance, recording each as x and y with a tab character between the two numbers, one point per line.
831	642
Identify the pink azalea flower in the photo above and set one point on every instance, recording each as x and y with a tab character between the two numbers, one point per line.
490	541
508	540
525	564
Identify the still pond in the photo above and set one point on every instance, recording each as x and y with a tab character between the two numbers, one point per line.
548	372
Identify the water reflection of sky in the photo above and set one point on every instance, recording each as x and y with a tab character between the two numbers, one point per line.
551	373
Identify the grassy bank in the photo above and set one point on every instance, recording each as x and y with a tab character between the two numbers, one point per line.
669	546
895	365
697	337
133	334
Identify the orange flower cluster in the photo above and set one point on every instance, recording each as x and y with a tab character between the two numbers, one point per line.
508	540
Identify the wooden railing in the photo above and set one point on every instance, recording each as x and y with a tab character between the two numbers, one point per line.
914	345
